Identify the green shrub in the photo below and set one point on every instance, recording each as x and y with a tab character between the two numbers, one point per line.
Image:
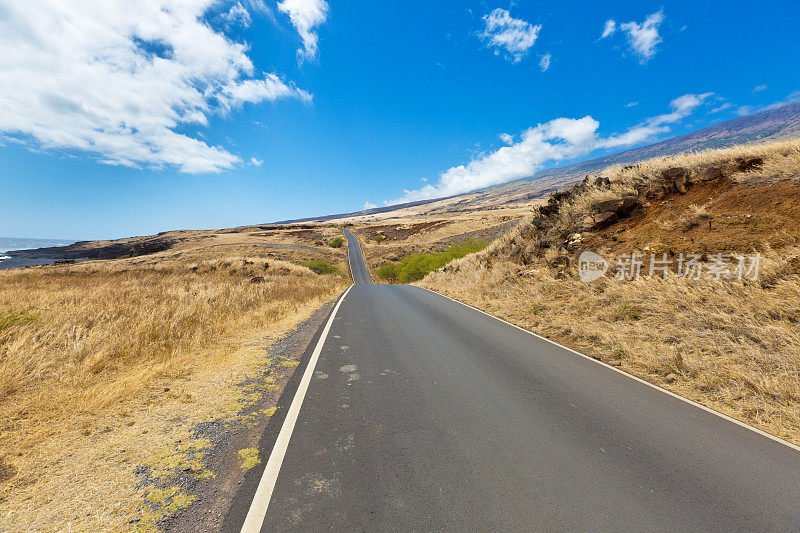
337	242
417	266
321	267
388	271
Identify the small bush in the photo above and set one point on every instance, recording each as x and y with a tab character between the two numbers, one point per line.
388	271
321	267
417	266
337	242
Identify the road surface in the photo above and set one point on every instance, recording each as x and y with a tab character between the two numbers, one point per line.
420	413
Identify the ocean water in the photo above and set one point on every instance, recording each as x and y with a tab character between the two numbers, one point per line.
7	244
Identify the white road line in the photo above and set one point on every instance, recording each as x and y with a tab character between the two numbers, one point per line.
258	509
631	376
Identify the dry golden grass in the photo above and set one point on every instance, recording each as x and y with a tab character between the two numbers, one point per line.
781	162
85	349
733	346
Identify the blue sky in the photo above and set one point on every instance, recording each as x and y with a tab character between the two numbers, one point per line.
122	120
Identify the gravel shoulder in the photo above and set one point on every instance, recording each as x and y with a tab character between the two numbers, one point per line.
234	442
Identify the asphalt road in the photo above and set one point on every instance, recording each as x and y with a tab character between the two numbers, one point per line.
424	414
355	258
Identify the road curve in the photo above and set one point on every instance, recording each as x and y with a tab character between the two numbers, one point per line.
423	414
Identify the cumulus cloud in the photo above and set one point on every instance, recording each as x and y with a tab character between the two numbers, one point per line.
609	28
544	62
368	205
561	139
509	36
506	138
305	16
643	38
124	81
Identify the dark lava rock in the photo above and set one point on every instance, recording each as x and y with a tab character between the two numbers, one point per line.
604	220
151	247
678	176
710	174
623	207
745	164
654	193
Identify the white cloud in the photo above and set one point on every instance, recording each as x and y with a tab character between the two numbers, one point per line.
643	38
237	14
723	107
759	88
558	140
791	98
368	205
256	162
124	81
609	28
632	104
305	16
252	91
506	138
544	62
513	37
682	107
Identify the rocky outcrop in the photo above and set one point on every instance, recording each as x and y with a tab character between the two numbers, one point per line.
746	164
710	174
608	212
677	177
621	206
151	247
604	220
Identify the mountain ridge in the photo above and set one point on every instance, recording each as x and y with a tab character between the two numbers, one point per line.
768	125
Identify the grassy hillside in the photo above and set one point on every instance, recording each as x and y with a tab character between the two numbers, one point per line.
107	369
728	341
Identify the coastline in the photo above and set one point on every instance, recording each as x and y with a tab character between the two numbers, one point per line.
24	253
24	262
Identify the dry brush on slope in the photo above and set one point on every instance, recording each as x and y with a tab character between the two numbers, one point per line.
730	344
89	350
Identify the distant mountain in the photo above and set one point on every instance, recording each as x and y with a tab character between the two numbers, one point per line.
770	125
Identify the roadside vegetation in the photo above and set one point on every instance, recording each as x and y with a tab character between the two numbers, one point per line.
105	366
320	266
336	242
730	344
417	266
